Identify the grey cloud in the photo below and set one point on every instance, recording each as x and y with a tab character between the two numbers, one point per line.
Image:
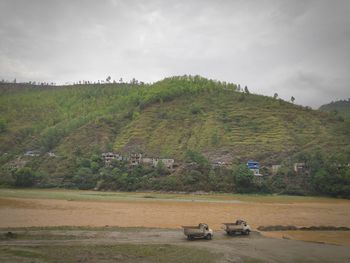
310	86
290	47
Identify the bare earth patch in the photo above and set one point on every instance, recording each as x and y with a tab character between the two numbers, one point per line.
162	237
329	237
16	212
28	208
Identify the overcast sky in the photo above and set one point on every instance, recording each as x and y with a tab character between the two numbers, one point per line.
299	48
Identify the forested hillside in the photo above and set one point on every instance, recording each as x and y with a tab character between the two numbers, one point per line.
193	120
340	108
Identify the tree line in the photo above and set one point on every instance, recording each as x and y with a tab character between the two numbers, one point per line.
326	175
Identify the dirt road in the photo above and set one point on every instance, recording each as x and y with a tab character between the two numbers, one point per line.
253	248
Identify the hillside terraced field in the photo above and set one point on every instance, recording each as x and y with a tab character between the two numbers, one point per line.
163	120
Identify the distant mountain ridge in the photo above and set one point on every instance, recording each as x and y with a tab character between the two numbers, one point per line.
341	107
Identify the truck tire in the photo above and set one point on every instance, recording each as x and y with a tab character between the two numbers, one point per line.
190	238
208	237
247	232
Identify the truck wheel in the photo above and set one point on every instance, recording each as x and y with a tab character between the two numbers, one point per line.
246	232
190	238
208	237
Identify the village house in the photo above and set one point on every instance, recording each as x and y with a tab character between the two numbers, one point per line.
275	168
168	163
17	164
109	156
135	159
51	154
254	167
32	153
221	164
299	168
148	161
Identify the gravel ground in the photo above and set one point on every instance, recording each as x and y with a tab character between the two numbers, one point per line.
252	248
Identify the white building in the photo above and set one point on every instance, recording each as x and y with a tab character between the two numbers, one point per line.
109	156
275	168
168	163
32	153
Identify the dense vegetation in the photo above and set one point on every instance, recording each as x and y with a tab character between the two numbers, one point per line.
193	120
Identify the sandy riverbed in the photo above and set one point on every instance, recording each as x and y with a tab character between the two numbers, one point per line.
19	212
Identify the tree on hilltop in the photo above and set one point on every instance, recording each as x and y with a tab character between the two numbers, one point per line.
246	90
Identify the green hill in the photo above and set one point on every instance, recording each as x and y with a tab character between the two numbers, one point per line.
168	119
340	108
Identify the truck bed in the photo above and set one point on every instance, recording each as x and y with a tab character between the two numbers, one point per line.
193	230
190	227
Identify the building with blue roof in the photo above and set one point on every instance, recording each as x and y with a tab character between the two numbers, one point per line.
254	167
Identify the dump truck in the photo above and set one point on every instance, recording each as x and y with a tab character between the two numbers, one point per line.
239	227
200	231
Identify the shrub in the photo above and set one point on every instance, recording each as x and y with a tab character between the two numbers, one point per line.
6	177
161	169
195	109
243	179
24	177
85	179
2	126
196	157
171	183
215	139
